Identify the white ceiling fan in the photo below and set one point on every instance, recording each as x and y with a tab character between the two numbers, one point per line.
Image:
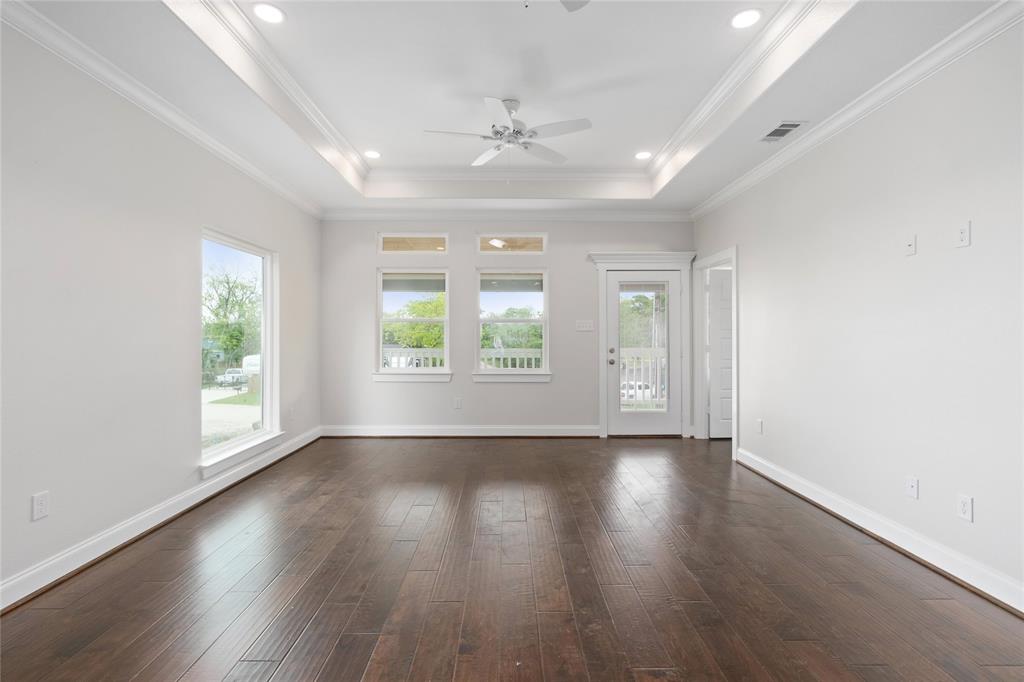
508	132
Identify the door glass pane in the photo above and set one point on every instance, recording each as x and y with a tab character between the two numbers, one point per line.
643	351
232	383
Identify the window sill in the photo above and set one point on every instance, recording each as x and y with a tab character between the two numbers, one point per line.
512	378
222	459
414	377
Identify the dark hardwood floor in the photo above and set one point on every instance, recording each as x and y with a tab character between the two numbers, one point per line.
487	560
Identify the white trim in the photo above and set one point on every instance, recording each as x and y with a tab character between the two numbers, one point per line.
504	216
764	44
38	28
424	376
239	450
524	377
227	32
65	562
400	235
498	234
641	260
582	430
986	26
700	389
999	585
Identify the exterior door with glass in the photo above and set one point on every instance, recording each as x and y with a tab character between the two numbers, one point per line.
644	353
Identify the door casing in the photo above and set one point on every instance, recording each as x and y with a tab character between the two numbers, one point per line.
646	260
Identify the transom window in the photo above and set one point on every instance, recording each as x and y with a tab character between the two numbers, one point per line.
512	243
513	325
413	314
413	243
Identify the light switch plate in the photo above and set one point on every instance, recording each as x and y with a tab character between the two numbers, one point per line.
912	487
910	245
584	325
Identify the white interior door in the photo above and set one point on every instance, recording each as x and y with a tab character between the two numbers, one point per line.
719	353
644	353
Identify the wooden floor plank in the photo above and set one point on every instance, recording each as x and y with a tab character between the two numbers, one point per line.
466	559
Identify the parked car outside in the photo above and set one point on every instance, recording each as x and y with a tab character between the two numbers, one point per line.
233	376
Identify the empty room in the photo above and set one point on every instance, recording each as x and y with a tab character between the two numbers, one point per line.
479	340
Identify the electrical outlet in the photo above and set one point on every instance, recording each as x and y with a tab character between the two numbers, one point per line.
910	245
41	505
963	235
965	507
760	426
457	403
911	487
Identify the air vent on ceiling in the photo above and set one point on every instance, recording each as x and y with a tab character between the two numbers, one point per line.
783	129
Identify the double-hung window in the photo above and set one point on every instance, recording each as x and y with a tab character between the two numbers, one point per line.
237	392
513	326
412	312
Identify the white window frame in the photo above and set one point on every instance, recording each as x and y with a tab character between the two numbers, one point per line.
401	235
436	374
231	453
499	235
514	375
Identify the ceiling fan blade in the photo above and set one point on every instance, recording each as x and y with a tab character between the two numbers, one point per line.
488	155
560	128
573	5
542	152
498	113
452	132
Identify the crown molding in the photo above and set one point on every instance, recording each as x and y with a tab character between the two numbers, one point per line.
225	30
983	28
248	36
506	216
763	45
29	22
485	174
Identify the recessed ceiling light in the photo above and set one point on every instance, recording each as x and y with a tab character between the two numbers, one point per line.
268	13
642	156
371	154
746	18
496	243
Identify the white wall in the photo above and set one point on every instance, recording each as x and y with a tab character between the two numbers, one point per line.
102	211
568	404
868	366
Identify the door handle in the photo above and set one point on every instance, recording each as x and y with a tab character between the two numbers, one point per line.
611	361
611	350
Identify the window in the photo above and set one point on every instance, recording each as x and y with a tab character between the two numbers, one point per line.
413	314
236	357
413	243
513	330
512	243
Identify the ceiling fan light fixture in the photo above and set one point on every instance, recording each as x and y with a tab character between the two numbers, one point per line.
268	13
371	154
746	18
642	156
497	243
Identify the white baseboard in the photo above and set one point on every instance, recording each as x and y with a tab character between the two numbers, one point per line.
462	430
990	581
61	564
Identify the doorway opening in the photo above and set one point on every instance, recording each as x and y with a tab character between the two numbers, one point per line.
716	400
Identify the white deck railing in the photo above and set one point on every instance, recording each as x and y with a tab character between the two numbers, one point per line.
643	372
